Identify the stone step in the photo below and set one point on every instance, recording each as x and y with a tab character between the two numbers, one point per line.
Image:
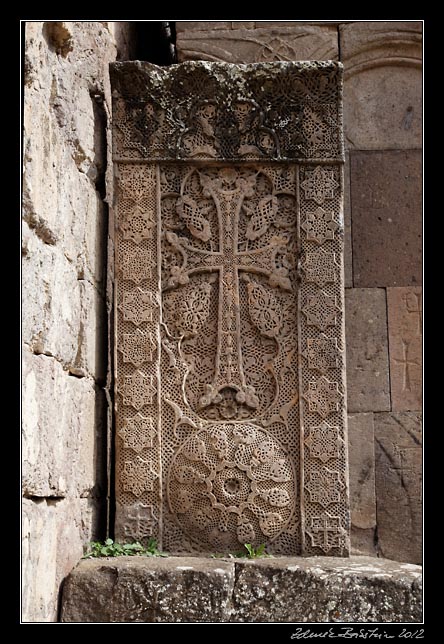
278	589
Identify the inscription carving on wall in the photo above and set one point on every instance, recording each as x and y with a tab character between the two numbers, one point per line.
229	307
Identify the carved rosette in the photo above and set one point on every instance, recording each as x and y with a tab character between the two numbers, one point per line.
231	484
230	371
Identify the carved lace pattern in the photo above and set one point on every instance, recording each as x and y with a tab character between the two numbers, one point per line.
230	485
278	111
138	354
229	326
322	362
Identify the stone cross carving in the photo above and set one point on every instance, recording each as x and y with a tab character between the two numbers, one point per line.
230	361
228	190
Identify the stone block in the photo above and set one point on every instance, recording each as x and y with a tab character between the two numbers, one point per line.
386	196
383	84
61	442
136	589
361	460
53	535
283	589
366	349
398	454
404	308
246	44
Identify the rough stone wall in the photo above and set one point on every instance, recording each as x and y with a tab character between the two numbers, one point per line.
65	298
382	119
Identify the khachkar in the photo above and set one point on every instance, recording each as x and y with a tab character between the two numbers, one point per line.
230	364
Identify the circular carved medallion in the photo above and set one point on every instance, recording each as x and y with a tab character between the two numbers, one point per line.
230	484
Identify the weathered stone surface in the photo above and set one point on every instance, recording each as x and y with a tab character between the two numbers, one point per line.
130	589
255	43
383	84
280	110
62	447
53	534
386	189
63	315
367	352
284	589
348	246
67	99
404	308
64	103
361	462
398	454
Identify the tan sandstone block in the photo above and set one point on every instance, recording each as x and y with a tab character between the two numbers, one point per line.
54	533
284	41
404	307
386	197
366	348
362	482
61	450
383	84
398	452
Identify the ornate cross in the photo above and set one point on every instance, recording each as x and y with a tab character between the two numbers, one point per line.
228	191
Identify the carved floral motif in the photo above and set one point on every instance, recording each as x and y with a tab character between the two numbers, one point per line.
137	306
324	486
323	442
137	433
322	353
319	225
138	390
323	396
319	184
138	476
321	310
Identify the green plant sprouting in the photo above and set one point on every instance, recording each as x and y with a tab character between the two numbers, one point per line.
110	548
250	552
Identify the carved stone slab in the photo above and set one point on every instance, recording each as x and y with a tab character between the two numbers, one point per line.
230	390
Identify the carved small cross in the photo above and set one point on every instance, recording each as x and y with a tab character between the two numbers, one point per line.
407	364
